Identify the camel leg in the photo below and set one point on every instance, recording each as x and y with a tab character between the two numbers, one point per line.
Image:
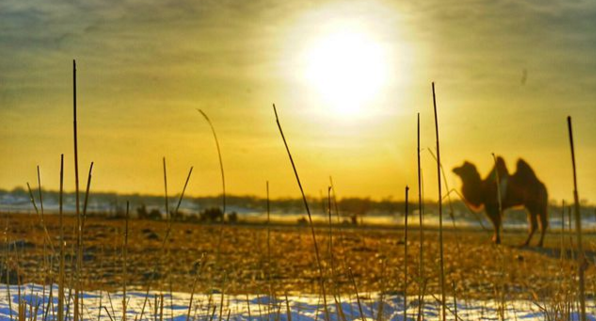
543	226
533	225
493	215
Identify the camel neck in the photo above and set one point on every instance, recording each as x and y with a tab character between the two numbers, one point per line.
472	190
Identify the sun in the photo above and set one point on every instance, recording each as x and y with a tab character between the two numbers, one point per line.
347	68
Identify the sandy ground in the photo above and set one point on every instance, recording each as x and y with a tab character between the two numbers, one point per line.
235	259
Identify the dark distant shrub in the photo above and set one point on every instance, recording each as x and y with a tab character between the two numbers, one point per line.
177	216
354	219
213	214
233	217
302	221
155	214
143	214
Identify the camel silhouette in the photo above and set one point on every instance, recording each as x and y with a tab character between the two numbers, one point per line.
522	188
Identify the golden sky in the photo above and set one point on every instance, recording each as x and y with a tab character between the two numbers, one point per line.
348	78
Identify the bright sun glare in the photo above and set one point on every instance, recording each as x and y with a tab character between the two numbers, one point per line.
347	67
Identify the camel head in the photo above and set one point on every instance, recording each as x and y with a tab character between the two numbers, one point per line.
471	184
467	172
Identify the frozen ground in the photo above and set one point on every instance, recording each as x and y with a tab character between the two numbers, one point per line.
108	306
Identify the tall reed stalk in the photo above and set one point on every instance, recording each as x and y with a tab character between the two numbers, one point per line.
420	228
221	167
268	271
578	226
406	257
124	262
61	264
440	201
76	169
312	228
223	183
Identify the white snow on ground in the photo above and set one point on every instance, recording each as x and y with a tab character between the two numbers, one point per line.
108	306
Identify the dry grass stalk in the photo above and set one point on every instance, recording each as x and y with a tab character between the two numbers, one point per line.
165	184
80	244
221	167
268	271
340	241
61	271
406	257
247	308
381	304
336	297
32	199
167	236
362	316
563	230
421	278
161	300
40	193
124	262
316	246
7	260
76	168
440	202
40	214
194	283
47	265
221	300
288	311
448	194
183	192
578	226
223	183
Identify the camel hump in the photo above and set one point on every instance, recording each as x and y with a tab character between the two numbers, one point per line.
501	167
499	170
524	171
